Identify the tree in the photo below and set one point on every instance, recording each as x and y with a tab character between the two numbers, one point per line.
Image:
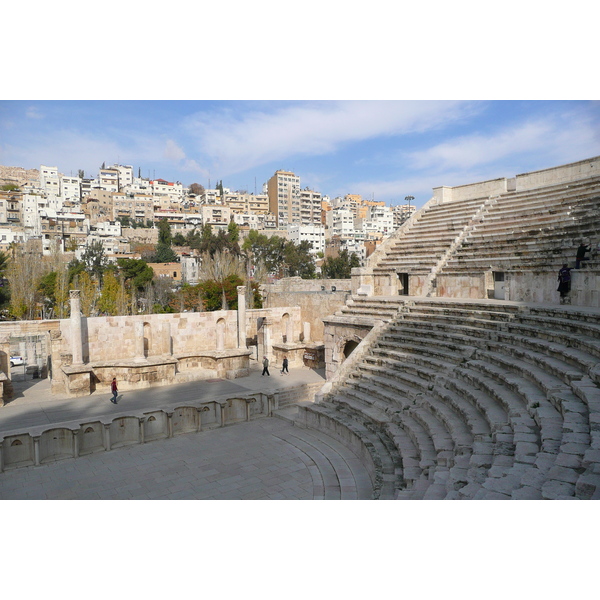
135	271
24	272
95	260
81	174
10	187
164	252
219	267
196	189
341	266
179	239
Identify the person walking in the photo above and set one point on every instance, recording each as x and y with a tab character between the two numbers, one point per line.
284	368
564	283
266	367
114	390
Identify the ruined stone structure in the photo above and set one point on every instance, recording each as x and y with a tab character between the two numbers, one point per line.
453	371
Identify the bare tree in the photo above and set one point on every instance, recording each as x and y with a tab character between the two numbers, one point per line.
219	267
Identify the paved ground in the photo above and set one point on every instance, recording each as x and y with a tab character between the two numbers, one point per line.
268	458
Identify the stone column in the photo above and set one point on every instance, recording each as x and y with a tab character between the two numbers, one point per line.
222	414
241	290
36	450
76	338
306	331
76	443
249	401
141	435
264	336
170	424
106	436
138	333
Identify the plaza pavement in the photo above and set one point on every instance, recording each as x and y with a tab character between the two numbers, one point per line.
267	458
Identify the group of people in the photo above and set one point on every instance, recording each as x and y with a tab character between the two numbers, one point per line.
284	367
564	275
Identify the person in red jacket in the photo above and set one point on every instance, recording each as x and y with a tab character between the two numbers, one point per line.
114	390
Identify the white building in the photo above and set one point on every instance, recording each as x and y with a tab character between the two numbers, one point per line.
109	179
315	234
50	180
340	222
163	190
71	189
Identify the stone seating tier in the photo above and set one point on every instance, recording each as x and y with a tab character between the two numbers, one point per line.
494	400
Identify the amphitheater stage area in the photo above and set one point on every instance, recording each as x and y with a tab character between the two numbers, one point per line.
266	458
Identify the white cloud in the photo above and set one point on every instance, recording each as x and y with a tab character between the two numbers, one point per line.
173	152
558	138
257	137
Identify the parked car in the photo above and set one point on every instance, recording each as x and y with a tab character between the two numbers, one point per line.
16	360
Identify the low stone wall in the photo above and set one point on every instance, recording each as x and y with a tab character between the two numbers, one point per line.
542	287
479	286
41	445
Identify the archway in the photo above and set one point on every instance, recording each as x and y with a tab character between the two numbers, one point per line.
221	334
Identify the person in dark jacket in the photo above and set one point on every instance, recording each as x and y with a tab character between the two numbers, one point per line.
284	368
564	282
580	257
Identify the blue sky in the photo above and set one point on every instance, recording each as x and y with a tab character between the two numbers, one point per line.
382	149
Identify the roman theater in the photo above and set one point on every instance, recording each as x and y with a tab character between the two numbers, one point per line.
451	367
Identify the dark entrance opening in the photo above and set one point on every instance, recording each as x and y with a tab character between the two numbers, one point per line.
349	348
403	284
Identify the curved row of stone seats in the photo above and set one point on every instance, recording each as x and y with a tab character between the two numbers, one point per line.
42	445
549	380
484	400
368	309
429	236
530	231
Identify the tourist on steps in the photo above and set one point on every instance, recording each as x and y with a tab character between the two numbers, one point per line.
581	254
266	366
564	282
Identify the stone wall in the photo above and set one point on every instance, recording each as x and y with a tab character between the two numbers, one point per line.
313	305
556	175
542	287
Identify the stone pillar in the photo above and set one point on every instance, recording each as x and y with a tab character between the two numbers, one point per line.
36	450
170	424
76	338
306	331
76	443
222	414
289	330
241	290
141	421
167	339
249	401
107	436
200	411
264	339
138	333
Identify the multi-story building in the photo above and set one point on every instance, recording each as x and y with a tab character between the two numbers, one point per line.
136	207
310	207
240	202
70	189
161	190
402	212
283	190
69	229
11	207
217	217
109	179
377	220
315	234
50	180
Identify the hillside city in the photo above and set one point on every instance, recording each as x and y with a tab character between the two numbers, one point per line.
49	212
118	209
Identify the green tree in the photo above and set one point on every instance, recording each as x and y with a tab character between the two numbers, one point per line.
341	266
95	260
135	271
164	252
